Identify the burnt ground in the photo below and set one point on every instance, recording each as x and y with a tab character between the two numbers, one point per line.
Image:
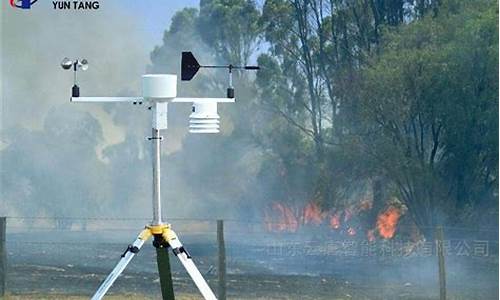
259	266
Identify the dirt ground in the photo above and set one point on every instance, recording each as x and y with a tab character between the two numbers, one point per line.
39	268
242	287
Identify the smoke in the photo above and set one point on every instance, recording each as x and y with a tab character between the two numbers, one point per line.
34	43
35	87
51	166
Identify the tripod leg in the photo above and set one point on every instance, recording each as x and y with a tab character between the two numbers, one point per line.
189	265
127	256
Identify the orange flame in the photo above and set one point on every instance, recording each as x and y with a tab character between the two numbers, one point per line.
284	220
280	217
312	214
387	222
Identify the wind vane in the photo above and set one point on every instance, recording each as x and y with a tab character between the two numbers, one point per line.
190	66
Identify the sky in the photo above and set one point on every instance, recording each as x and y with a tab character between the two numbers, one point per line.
150	17
154	15
116	39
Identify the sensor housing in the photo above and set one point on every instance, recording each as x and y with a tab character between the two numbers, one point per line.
204	118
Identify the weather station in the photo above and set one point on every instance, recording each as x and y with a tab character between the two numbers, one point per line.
158	91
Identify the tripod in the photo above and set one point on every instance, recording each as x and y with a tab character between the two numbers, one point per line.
163	236
158	91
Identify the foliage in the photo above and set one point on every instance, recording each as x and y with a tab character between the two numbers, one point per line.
229	28
429	108
45	183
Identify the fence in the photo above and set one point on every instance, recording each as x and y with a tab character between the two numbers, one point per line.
71	256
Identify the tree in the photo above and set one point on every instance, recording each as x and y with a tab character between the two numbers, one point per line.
229	28
317	48
427	102
51	177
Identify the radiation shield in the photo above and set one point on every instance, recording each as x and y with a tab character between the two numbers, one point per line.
204	118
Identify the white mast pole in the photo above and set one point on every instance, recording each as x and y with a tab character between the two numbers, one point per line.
156	141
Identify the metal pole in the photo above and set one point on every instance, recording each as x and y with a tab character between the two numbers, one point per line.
221	270
156	139
162	259
441	263
3	255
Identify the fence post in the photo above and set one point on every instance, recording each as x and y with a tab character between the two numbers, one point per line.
221	270
442	270
3	255
166	284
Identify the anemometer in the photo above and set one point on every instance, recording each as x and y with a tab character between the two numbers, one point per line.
159	90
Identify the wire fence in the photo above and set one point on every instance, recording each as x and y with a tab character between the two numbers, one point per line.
71	256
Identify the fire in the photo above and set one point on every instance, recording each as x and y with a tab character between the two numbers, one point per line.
335	221
312	214
283	219
387	222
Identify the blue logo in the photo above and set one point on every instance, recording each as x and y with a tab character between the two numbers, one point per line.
24	4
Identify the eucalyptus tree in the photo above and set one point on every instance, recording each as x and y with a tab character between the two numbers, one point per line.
429	113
